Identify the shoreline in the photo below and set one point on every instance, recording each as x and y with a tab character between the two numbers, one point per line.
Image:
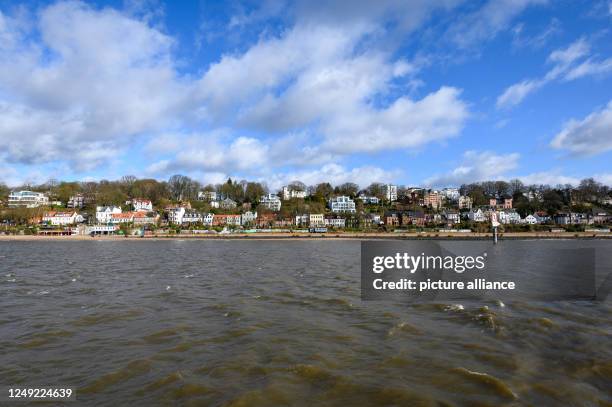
326	236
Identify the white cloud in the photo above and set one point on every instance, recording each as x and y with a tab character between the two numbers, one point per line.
316	77
589	136
82	80
477	166
590	67
566	67
486	22
214	151
514	94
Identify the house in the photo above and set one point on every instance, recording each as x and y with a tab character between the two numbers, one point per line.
465	202
208	219
62	218
531	220
433	199
142	205
104	213
513	217
541	217
335	221
598	216
290	193
452	216
228	203
301	220
270	201
507	203
191	216
175	214
342	204
248	218
145	218
122	217
451	194
222	220
369	200
476	215
391	192
562	218
392	219
579	218
77	201
265	220
493	202
207	196
27	199
316	219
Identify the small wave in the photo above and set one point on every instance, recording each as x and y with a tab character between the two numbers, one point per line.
403	327
134	368
492	382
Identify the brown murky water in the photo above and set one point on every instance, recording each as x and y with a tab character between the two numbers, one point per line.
266	323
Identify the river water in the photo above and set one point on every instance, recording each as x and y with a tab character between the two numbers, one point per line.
266	323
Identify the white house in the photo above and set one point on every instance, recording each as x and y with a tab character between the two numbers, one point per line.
27	199
336	222
452	194
104	213
316	219
207	196
476	215
248	218
508	217
226	203
369	200
342	204
142	205
270	201
301	220
62	218
391	192
175	214
289	193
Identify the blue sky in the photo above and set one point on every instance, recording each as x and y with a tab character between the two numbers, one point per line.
431	93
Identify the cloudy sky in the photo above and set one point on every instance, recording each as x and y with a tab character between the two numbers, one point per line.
433	92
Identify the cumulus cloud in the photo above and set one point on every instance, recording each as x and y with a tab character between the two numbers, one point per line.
477	166
566	67
81	83
589	136
316	77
